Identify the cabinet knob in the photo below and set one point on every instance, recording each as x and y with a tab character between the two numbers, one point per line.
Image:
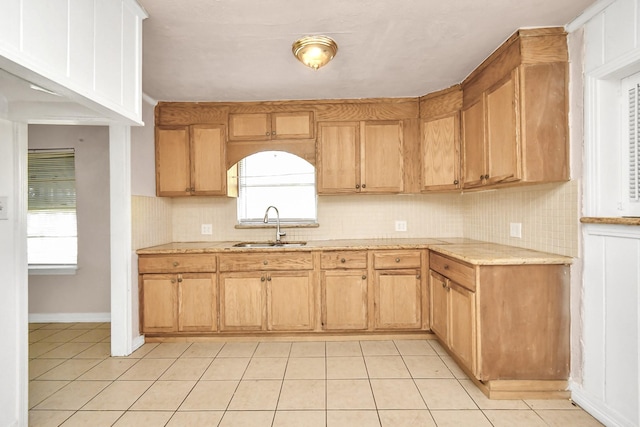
187	190
176	263
456	182
268	278
486	176
357	186
265	262
364	185
446	266
364	277
179	279
262	278
273	132
397	259
444	285
418	276
342	260
173	280
267	133
481	177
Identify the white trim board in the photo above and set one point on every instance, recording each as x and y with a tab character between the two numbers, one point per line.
594	406
69	317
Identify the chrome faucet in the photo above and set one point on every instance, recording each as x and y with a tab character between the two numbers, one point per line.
266	221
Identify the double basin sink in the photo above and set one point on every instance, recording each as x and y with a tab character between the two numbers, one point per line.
269	244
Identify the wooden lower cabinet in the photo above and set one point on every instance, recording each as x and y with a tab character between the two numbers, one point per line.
179	302
398	299
242	301
506	325
290	299
344	300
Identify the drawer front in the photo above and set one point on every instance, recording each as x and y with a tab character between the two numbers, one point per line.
396	259
457	271
177	263
343	259
262	261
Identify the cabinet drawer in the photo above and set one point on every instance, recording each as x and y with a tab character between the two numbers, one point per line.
176	263
457	271
343	259
263	261
396	259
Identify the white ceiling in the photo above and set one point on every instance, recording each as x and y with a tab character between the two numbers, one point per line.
240	50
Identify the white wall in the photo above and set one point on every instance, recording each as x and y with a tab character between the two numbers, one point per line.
84	296
13	275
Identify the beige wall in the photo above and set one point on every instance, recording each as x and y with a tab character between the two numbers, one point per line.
88	291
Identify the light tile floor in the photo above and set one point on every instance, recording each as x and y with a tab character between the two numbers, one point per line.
74	382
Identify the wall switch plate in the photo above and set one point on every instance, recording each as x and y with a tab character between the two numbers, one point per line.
4	207
401	225
206	229
515	229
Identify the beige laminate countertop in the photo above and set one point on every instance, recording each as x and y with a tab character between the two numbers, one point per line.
466	250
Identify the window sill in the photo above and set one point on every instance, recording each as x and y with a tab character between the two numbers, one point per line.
282	225
52	270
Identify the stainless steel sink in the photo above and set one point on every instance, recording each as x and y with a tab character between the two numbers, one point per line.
269	244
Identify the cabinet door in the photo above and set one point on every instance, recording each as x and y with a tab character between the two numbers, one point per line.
242	301
473	141
439	306
249	127
172	161
208	171
398	299
290	301
197	308
381	157
441	153
159	299
338	154
503	136
462	331
344	299
292	125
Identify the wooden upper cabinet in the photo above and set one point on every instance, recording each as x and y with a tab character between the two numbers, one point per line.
364	157
190	160
514	114
266	126
440	140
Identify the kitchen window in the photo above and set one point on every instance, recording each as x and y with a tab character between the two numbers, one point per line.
52	237
280	179
630	200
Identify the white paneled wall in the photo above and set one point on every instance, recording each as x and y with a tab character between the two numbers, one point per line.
608	383
77	47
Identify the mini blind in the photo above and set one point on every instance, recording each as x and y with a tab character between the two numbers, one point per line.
634	144
51	218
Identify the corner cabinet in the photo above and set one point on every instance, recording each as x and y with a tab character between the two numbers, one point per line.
360	157
506	325
514	115
190	160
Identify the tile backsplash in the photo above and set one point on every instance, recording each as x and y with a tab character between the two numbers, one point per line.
548	213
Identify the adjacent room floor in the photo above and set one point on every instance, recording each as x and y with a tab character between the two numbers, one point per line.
74	382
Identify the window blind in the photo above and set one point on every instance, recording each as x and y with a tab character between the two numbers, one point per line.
51	217
634	144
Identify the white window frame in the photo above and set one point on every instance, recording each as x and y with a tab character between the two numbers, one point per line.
629	204
285	218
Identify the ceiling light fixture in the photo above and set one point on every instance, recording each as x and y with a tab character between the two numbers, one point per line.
314	51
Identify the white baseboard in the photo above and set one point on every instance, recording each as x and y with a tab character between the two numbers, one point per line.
137	343
598	409
69	317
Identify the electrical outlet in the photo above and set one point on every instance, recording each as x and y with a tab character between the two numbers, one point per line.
4	208
401	225
515	229
206	229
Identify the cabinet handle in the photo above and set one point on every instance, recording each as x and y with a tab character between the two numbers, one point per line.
357	186
364	277
262	278
179	279
176	263
397	259
273	132
267	133
265	262
268	278
481	177
343	260
444	285
364	185
486	176
417	276
456	182
446	266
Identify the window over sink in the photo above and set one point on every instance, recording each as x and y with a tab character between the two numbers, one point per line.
280	179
